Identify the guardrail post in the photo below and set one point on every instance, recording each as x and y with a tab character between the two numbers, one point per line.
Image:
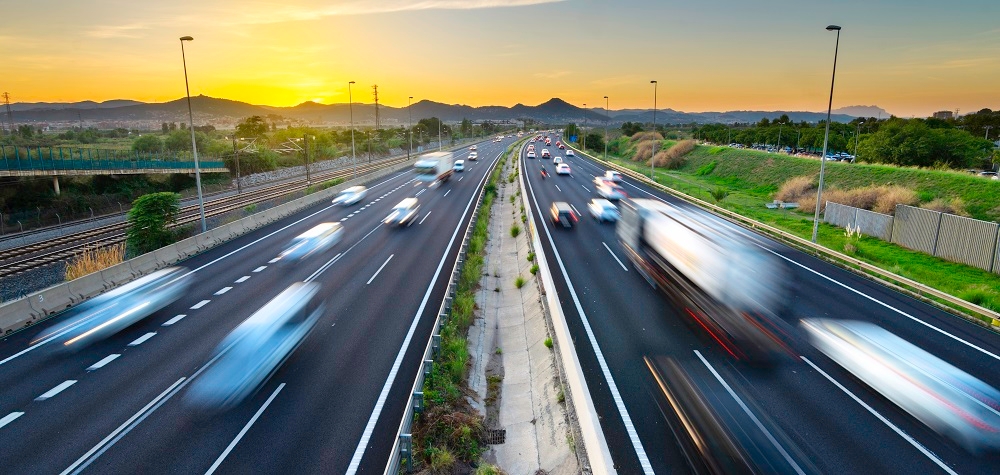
418	402
428	367
406	450
436	345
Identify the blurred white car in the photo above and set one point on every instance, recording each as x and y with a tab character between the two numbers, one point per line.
318	239
473	156
609	190
545	153
459	166
562	169
603	210
613	176
530	154
557	160
570	153
472	147
403	213
351	196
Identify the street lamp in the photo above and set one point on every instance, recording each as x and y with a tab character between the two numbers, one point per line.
856	137
652	161
607	118
354	155
194	145
826	135
236	155
409	125
584	127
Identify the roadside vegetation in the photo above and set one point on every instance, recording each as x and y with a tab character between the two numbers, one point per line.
95	260
149	221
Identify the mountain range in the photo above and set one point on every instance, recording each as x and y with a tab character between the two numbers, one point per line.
224	113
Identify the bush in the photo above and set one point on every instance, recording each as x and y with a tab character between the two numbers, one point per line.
148	220
515	230
488	469
673	158
148	143
795	188
531	257
950	206
706	169
645	136
534	269
442	461
519	282
719	193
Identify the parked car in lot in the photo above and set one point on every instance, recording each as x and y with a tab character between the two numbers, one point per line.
351	196
563	169
404	213
563	214
459	166
603	210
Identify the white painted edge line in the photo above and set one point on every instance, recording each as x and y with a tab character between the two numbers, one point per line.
173	320
425	217
103	362
446	193
10	418
613	255
56	390
242	279
379	269
590	422
359	451
272	261
767	433
142	339
200	304
243	432
885	421
259	269
113	434
557	187
223	290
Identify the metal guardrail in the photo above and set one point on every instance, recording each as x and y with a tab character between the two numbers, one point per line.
894	281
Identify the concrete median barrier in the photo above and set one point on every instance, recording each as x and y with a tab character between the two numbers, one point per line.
51	300
143	264
206	241
86	287
17	314
116	275
167	256
188	247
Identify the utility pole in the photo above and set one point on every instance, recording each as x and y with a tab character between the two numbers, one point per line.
10	117
375	93
236	154
305	138
988	127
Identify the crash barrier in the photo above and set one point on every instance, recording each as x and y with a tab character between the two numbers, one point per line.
897	282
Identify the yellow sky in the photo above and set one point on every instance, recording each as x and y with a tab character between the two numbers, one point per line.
716	55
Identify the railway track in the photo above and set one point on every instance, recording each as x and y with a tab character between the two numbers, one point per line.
21	259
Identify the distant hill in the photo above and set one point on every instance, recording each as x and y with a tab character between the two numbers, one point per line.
863	111
225	112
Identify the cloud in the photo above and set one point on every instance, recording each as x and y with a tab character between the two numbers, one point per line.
118	31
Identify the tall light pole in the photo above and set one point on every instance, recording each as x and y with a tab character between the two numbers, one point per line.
826	135
194	145
781	125
439	134
607	118
354	155
409	125
652	161
856	137
988	127
584	127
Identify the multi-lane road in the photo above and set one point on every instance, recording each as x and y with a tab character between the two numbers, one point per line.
334	406
813	415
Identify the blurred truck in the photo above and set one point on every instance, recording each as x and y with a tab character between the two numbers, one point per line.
435	167
729	287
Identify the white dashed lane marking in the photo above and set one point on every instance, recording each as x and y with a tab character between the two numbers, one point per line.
56	390
223	290
200	304
259	269
103	362
272	261
142	339
173	320
10	418
242	279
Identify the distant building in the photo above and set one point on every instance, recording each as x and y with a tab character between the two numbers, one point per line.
944	115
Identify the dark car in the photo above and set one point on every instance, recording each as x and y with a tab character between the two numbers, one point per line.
563	214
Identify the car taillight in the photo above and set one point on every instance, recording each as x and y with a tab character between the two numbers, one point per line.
574	217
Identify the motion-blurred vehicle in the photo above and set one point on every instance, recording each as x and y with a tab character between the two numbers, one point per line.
950	401
434	167
113	311
473	156
603	210
557	160
545	153
563	214
613	176
530	154
562	169
570	153
472	147
729	287
255	350
459	166
351	196
314	241
548	141
403	213
714	430
560	146
609	190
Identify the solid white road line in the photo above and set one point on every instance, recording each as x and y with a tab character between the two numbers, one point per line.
103	362
259	269
380	269
173	320
10	418
242	279
56	390
425	217
446	193
885	421
223	290
101	446
613	255
753	417
200	304
243	432
142	339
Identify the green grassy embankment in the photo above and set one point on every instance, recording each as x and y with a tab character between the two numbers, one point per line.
751	178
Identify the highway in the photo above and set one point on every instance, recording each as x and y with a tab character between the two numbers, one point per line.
119	405
813	415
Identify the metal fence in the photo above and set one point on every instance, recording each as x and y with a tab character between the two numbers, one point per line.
955	238
65	158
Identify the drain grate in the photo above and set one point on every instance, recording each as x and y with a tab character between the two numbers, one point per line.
496	436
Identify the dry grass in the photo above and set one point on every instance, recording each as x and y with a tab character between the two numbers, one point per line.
881	199
644	151
895	195
674	157
950	206
646	136
95	260
795	188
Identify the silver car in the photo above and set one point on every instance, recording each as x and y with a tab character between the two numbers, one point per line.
351	196
603	210
403	213
316	240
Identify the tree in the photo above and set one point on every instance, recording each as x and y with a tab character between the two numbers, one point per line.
173	126
571	131
595	141
148	220
914	143
25	131
165	127
148	143
631	128
180	141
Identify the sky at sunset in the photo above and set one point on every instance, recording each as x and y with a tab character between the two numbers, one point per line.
911	57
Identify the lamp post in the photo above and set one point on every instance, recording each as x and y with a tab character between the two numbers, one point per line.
652	161
354	155
409	125
826	135
439	134
584	126
856	137
607	118
236	155
781	125
194	145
